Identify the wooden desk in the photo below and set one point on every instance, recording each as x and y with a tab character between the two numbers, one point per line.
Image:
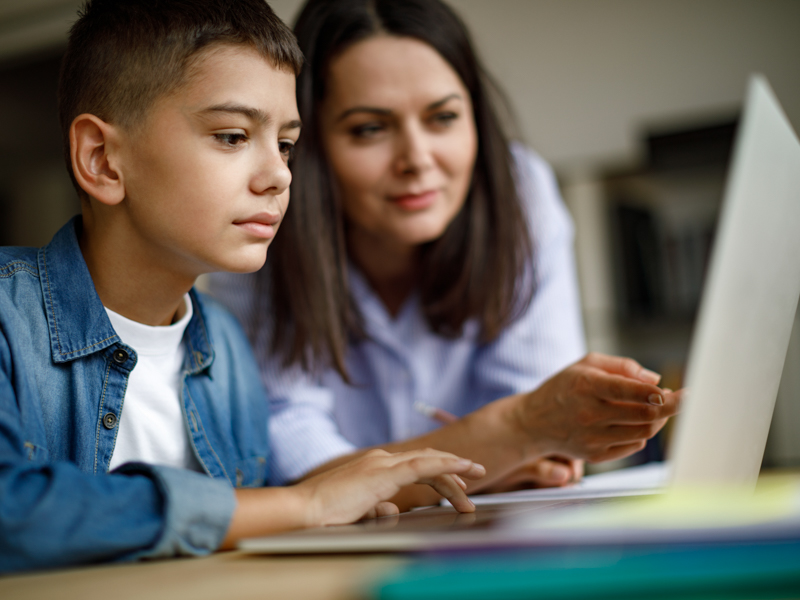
220	576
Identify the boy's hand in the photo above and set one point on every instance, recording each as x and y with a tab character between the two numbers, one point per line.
362	487
357	489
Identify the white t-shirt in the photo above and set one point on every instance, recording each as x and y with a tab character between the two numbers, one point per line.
152	427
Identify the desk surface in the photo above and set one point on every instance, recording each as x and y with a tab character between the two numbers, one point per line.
223	575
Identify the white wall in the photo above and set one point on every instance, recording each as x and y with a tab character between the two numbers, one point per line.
585	75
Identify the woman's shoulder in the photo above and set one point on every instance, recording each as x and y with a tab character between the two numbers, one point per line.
528	164
237	292
539	194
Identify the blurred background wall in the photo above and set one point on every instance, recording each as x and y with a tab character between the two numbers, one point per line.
633	102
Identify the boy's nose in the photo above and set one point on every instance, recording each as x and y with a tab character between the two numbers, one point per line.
273	175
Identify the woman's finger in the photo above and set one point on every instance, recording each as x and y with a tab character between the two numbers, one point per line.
619	365
577	469
549	472
574	465
616	387
619	451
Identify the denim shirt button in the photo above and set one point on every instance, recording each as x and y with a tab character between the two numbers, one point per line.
120	356
109	420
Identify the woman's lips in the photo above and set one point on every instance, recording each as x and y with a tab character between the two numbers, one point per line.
262	225
412	202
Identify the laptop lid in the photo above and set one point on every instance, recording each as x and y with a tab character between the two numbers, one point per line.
735	365
748	305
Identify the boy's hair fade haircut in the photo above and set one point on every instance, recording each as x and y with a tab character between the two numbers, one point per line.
122	55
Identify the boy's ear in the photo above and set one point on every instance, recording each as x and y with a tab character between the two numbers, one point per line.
94	148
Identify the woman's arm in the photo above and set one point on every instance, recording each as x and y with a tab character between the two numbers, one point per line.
600	408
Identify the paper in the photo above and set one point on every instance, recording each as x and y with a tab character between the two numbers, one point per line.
633	481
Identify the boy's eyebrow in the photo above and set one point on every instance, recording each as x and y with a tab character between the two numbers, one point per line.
254	114
385	112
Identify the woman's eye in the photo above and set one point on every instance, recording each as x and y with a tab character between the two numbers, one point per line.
287	149
444	118
231	139
367	130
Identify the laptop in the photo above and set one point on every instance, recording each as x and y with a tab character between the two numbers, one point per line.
734	370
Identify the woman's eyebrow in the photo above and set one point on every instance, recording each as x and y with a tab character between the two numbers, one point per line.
443	101
385	112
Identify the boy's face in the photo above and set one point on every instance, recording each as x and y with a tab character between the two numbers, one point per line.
206	175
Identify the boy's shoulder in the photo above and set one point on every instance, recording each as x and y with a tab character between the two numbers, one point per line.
220	321
235	365
15	259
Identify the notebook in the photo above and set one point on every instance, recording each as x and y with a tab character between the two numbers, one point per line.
734	368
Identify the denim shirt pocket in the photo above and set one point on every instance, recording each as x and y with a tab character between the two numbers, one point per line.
251	472
34	452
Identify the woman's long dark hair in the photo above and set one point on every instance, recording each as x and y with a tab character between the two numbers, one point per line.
476	269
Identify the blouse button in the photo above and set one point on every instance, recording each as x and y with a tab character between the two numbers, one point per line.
120	356
109	420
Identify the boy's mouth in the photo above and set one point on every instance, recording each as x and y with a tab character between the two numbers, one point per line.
262	225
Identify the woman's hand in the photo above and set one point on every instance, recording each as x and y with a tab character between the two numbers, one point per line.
547	472
600	408
363	487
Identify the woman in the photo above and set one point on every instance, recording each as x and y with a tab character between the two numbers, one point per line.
426	261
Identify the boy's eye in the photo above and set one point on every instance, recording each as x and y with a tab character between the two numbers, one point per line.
287	149
231	139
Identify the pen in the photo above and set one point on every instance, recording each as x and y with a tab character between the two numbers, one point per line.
435	413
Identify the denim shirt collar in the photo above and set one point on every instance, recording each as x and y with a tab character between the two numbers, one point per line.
77	320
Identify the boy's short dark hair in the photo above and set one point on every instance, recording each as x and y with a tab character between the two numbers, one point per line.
124	54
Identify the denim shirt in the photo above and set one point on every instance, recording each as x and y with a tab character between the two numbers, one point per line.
63	374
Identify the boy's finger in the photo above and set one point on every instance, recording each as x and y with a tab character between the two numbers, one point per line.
429	463
475	471
449	488
384	509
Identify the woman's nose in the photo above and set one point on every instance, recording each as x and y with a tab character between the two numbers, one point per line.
414	151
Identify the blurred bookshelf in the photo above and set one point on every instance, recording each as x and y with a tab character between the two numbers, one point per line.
662	218
36	194
648	231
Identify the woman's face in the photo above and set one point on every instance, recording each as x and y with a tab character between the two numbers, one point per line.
398	129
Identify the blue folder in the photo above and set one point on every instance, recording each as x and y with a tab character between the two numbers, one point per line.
750	571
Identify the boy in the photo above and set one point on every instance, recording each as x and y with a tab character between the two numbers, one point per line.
130	406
